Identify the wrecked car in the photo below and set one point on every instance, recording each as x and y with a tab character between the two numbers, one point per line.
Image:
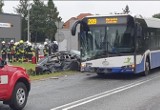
59	61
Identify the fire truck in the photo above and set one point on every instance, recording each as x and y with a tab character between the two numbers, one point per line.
14	83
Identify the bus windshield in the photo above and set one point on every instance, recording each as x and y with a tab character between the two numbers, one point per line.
103	41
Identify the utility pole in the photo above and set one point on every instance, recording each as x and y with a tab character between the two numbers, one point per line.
28	26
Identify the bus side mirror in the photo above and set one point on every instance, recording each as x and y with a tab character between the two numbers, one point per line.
73	29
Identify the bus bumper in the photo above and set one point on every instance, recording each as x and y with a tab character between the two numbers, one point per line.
108	70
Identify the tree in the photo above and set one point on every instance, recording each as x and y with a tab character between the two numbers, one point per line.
1	6
126	10
38	20
22	9
52	17
156	15
42	19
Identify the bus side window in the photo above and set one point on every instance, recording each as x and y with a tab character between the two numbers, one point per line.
140	38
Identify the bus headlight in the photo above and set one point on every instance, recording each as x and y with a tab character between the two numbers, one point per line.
129	66
133	66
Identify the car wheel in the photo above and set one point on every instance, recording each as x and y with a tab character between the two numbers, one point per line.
19	96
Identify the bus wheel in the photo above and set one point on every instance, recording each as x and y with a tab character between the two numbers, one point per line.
147	68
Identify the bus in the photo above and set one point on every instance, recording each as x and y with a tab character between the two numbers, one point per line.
118	43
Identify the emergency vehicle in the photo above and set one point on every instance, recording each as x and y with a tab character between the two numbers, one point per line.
14	85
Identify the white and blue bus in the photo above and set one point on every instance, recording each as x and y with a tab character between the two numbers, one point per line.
118	44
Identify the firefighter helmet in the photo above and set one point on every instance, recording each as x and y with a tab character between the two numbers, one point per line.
55	42
3	42
29	44
12	41
21	41
45	43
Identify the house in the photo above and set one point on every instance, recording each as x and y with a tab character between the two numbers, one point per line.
13	33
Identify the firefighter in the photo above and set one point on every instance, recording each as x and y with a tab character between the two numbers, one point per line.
26	51
3	50
21	51
46	49
8	52
54	46
12	50
16	48
29	51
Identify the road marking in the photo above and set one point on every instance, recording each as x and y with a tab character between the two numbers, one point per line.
101	95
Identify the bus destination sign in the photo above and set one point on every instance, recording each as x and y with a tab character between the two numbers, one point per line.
106	20
111	20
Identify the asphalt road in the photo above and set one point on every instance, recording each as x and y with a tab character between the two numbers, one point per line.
90	92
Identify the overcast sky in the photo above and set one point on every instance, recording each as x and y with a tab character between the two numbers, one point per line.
68	9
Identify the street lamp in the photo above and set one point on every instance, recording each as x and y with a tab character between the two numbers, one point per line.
28	24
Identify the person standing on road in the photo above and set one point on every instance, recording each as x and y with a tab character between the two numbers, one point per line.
46	49
3	50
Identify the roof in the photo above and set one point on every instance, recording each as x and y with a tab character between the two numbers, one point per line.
152	22
9	14
149	22
66	25
79	17
82	15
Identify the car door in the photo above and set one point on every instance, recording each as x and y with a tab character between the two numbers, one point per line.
4	79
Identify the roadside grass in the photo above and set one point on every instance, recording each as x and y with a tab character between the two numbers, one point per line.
26	65
54	75
29	66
